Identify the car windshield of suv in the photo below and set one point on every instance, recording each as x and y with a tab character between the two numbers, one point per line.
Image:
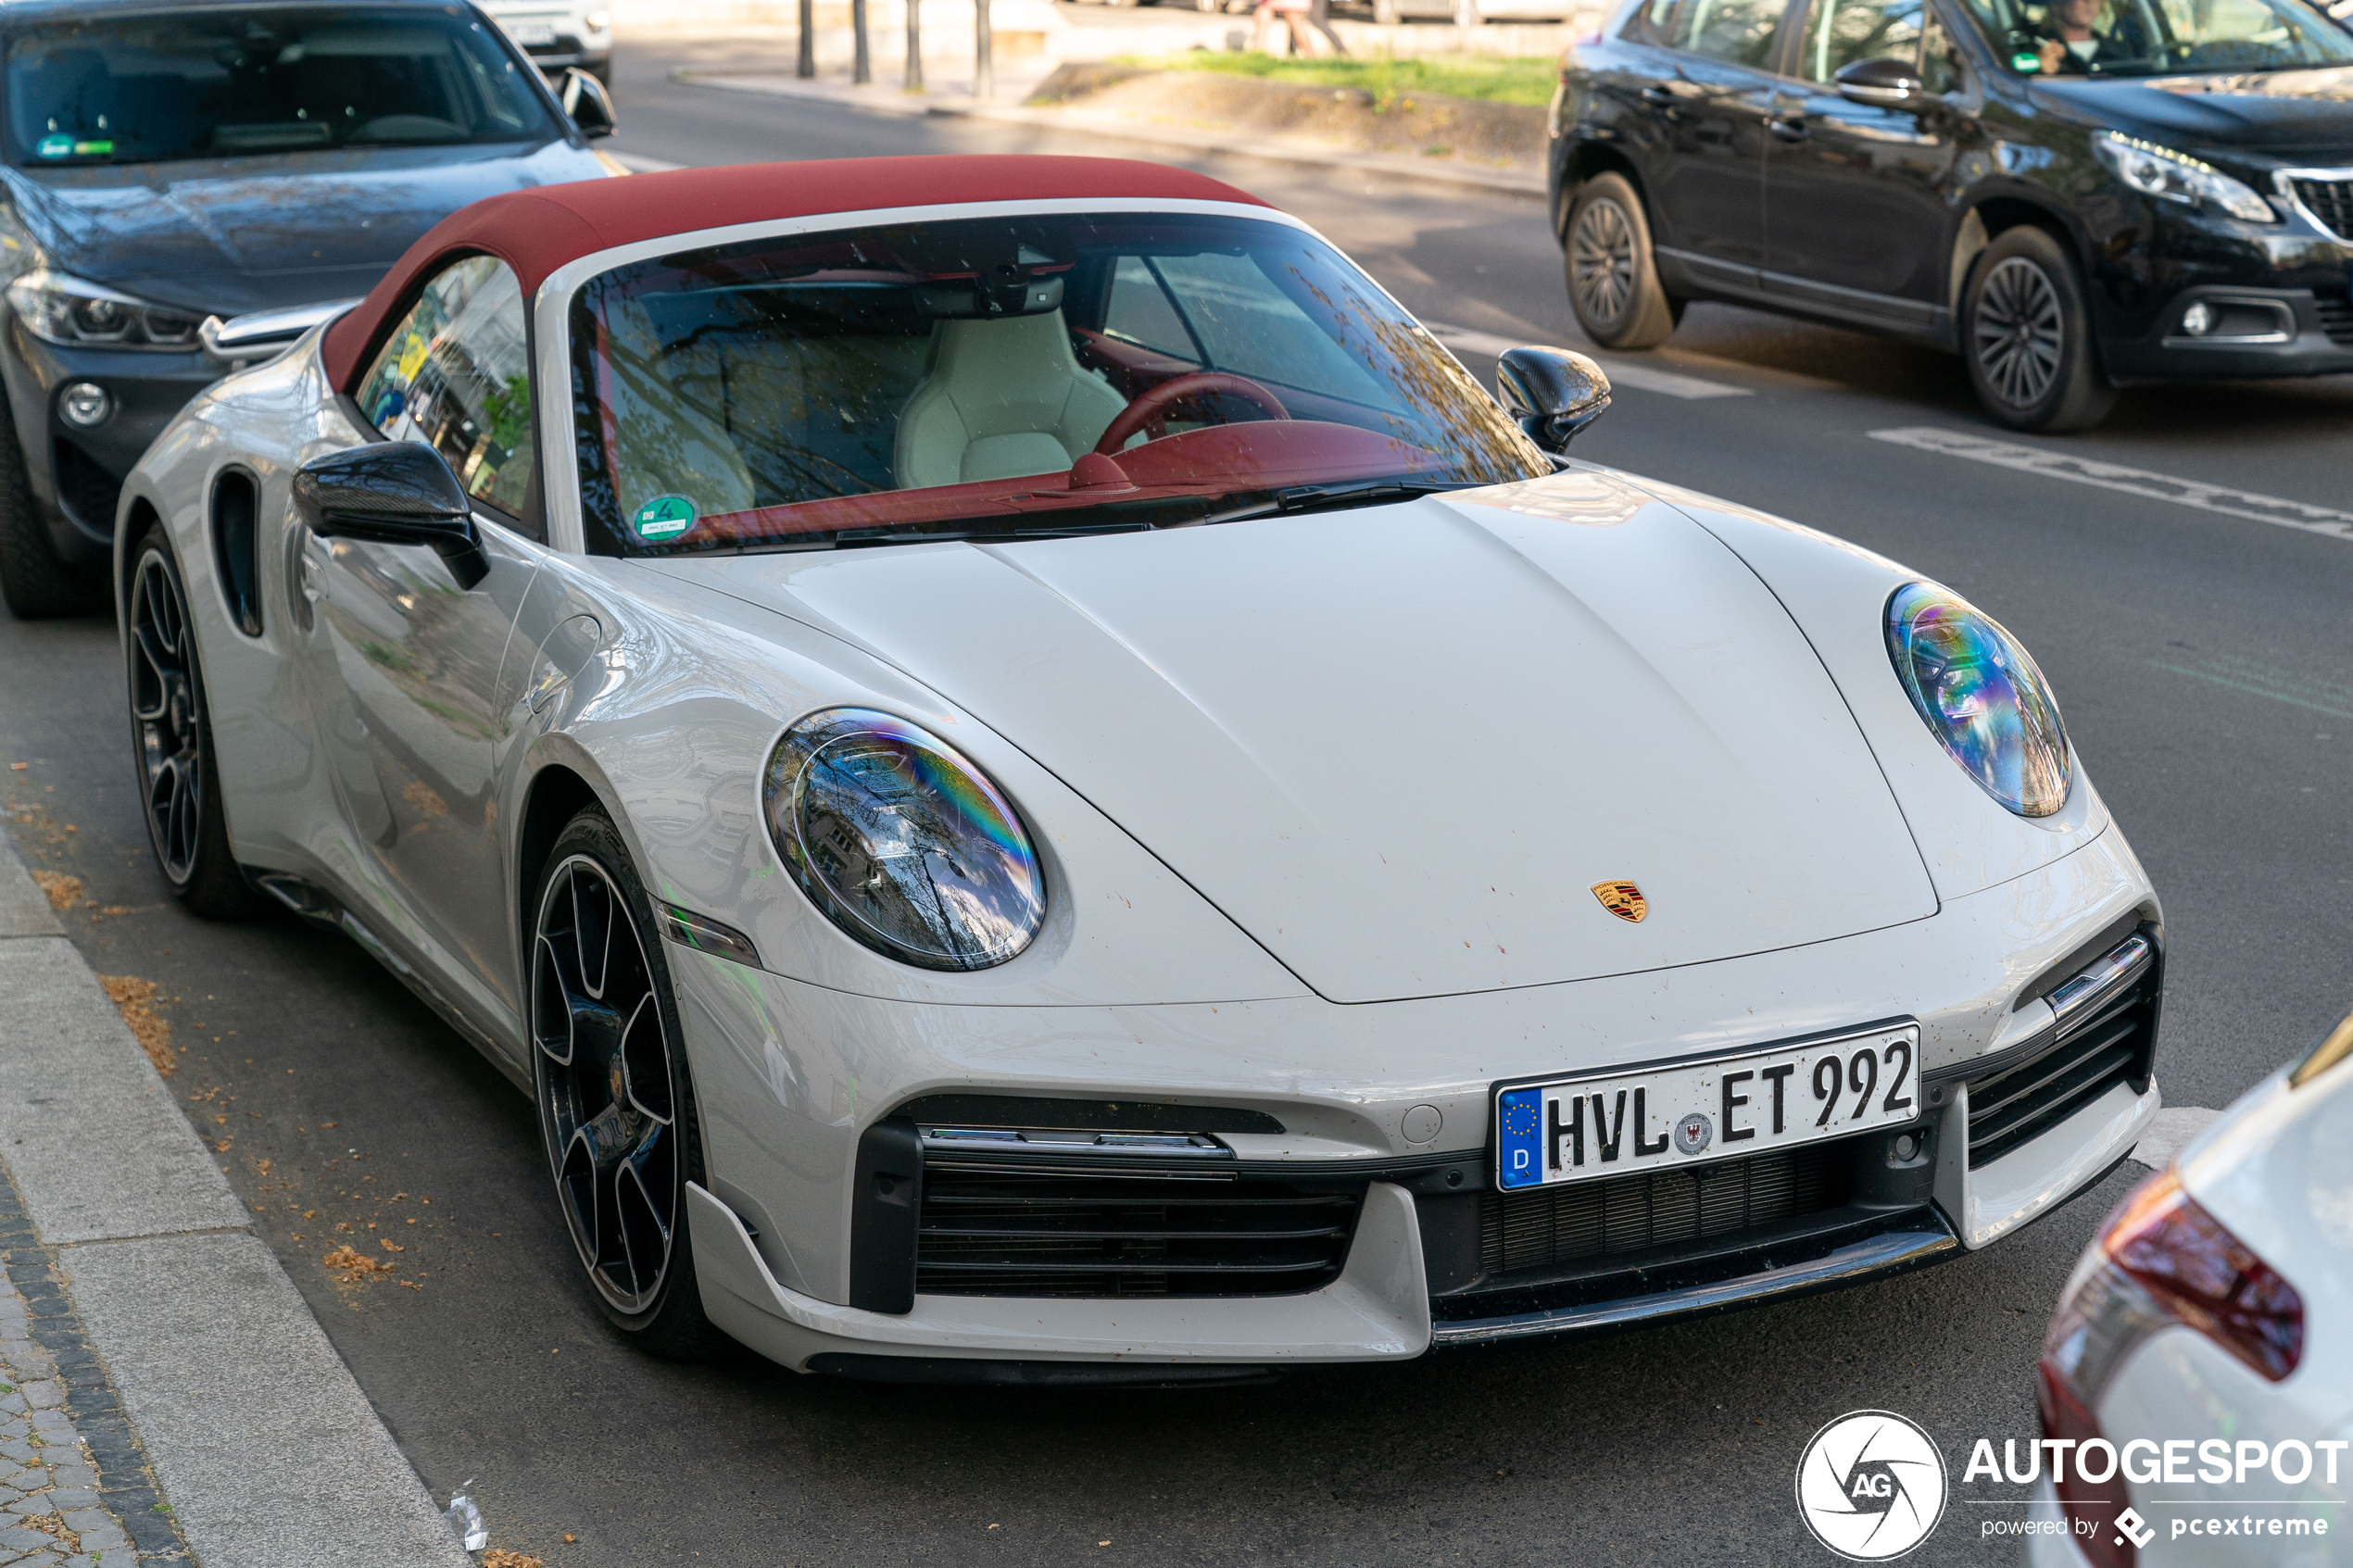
150	89
1007	377
2159	37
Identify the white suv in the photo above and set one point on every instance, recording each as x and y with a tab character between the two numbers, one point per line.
556	33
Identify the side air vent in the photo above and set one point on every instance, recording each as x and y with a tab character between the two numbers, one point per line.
235	509
2105	1036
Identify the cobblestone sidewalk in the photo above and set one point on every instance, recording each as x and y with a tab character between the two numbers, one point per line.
74	1483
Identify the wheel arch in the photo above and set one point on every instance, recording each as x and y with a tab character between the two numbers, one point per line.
139	515
1583	162
1987	220
556	794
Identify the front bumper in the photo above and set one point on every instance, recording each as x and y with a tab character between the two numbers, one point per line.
774	1236
2258	332
76	473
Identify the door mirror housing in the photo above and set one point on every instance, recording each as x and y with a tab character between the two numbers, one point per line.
1551	393
1888	85
585	100
393	493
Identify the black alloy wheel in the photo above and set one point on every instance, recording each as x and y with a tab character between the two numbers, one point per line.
616	1107
2027	339
1612	277
172	741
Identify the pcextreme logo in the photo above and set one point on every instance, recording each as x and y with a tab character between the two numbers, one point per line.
1870	1486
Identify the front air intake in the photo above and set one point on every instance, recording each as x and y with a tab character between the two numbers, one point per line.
2105	1036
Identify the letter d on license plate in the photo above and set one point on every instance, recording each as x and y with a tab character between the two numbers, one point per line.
1681	1113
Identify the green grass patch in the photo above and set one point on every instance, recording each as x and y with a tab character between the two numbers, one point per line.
1495	80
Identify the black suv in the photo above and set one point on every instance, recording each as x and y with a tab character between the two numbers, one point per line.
2071	194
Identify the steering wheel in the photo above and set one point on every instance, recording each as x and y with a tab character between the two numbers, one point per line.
1153	404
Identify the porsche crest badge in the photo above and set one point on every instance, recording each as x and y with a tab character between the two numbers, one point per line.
1623	899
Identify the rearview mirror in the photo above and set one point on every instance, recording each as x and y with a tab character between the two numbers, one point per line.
1887	83
587	101
393	493
1551	393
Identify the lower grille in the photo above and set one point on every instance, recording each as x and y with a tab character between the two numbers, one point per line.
2336	315
2112	1044
2331	201
985	1234
86	490
1521	1231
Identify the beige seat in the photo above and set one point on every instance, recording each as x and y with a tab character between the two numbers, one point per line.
999	399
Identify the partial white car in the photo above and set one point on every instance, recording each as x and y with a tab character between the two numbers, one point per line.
1041	786
560	33
2210	1326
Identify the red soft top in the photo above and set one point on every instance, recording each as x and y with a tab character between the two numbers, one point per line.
536	232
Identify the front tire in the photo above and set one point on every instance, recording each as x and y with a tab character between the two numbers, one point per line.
171	742
2026	335
616	1104
1612	277
37	584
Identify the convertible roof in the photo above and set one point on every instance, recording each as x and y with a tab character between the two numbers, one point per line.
536	232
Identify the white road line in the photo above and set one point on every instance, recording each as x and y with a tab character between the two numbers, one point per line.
2171	1131
641	164
1622	372
2133	482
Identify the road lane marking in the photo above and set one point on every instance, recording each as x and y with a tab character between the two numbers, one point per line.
639	163
2258	679
2133	482
1621	372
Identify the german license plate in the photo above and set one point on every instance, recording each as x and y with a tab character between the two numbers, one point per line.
528	33
1616	1124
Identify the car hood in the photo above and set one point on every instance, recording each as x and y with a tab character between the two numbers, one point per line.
1400	746
2309	113
229	235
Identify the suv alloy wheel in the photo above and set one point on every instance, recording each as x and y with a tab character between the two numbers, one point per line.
2026	336
1613	278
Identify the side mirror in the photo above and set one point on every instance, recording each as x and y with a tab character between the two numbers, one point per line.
587	101
1551	393
393	493
1889	84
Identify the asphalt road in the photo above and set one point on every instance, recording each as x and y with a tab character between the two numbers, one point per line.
2206	671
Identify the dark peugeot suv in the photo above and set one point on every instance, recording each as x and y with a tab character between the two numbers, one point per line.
190	186
2071	194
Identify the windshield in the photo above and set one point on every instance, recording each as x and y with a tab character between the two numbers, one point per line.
1006	376
149	89
2159	37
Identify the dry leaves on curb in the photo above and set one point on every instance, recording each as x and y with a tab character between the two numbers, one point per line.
499	1557
64	891
133	997
351	1266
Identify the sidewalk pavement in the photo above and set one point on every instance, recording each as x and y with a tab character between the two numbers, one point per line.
951	96
171	1383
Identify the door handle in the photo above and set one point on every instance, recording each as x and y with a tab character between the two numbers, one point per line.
1658	97
1790	130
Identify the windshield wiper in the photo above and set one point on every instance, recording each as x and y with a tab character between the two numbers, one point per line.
1330	497
867	538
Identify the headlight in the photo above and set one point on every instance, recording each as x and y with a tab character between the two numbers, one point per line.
75	314
599	20
901	843
1982	695
2177	177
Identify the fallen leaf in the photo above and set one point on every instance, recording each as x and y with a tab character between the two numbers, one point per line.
351	1266
498	1557
223	1146
64	891
389	1245
135	998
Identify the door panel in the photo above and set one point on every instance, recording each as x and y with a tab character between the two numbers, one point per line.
1707	193
1856	213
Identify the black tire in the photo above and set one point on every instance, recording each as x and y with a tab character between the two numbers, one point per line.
35	581
616	1102
2026	336
1612	277
171	745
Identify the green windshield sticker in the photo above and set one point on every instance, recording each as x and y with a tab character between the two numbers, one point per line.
54	146
93	150
664	517
2026	65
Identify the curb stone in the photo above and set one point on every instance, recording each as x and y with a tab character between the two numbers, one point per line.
168	1336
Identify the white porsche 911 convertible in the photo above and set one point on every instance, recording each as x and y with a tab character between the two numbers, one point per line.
1041	788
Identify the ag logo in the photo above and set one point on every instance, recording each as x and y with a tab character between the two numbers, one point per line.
1870	1486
